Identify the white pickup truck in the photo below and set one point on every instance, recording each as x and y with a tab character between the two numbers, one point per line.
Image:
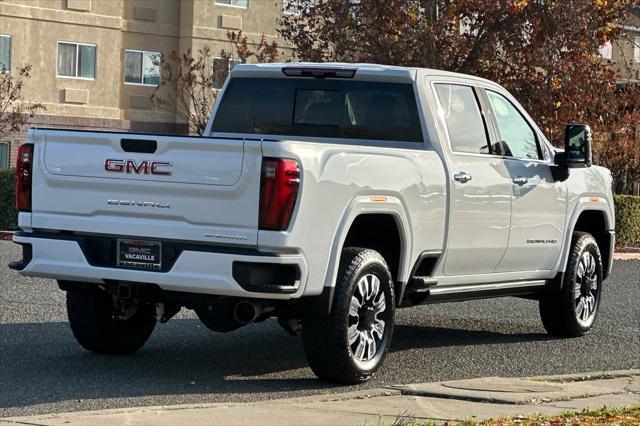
326	195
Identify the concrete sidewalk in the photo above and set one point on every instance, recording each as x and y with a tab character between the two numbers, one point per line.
482	398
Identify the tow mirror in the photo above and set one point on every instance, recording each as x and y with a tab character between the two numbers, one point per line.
577	151
577	146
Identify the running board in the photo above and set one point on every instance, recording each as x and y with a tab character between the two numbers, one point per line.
477	291
486	287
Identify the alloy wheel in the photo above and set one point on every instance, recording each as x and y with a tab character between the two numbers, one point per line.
586	289
366	318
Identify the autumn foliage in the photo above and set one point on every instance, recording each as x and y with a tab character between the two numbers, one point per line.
545	52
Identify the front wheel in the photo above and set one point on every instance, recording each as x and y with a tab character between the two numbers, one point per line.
349	344
573	311
99	327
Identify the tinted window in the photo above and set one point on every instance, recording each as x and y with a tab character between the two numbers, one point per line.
462	115
517	138
323	108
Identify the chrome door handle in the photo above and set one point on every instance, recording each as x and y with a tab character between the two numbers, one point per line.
462	177
520	180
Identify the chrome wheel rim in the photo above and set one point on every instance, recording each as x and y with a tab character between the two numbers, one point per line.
586	289
366	318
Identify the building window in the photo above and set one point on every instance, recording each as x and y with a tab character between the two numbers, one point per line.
141	67
236	3
5	154
76	60
5	52
636	49
606	50
221	69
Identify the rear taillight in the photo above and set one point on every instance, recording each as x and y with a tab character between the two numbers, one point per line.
24	169
278	192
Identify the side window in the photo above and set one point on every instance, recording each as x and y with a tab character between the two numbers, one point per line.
464	121
517	138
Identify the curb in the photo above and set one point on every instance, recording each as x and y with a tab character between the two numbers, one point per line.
6	235
585	377
626	256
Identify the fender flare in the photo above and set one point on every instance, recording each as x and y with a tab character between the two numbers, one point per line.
584	204
371	204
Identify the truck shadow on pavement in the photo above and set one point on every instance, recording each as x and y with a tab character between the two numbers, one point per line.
42	363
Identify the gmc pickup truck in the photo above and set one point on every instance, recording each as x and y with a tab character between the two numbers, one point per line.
327	196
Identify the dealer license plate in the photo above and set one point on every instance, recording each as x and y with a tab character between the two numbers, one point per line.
140	254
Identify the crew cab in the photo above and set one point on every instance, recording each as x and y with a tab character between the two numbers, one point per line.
326	195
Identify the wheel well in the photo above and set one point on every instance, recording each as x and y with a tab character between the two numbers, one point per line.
378	232
595	223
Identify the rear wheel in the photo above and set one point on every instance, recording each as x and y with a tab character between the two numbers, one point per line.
349	344
102	328
573	311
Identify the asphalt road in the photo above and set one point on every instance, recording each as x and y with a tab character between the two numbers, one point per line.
42	369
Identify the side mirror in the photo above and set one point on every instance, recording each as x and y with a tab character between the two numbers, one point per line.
577	146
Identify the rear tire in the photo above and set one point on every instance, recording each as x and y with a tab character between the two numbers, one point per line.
573	311
99	328
349	344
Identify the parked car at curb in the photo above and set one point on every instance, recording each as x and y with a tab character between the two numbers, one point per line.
327	195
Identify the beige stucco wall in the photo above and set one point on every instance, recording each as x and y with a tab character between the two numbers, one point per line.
35	32
622	52
113	26
160	35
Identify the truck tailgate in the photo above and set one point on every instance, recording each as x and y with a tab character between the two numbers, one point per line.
165	187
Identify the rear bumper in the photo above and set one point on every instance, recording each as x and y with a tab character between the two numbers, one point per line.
194	270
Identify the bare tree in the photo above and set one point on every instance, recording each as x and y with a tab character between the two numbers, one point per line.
189	81
14	113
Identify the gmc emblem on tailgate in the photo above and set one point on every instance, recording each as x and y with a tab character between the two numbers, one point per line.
144	167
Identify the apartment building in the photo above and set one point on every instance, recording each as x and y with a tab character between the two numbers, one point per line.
625	54
94	60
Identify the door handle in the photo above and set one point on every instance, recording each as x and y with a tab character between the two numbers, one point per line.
520	180
462	177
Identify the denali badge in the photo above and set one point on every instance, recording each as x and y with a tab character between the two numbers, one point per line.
536	241
144	167
138	203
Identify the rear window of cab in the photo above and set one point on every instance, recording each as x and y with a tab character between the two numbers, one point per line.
320	108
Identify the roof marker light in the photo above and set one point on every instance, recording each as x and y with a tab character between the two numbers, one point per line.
319	72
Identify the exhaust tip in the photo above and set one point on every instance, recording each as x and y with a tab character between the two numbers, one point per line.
245	312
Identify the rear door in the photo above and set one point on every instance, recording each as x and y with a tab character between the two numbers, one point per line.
539	203
166	187
479	186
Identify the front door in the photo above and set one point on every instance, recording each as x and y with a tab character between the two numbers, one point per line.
539	204
480	186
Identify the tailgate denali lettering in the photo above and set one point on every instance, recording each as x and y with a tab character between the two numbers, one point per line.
138	203
145	167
